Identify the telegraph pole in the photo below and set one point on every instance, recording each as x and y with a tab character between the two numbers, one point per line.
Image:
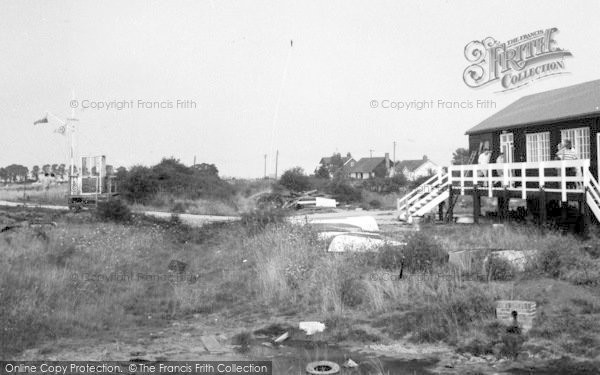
394	152
276	162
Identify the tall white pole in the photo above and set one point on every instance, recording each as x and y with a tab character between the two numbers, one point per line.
71	126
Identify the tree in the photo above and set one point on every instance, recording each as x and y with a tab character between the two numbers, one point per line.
207	169
322	172
121	173
342	190
16	172
35	171
62	170
3	174
46	168
140	185
54	169
294	179
460	156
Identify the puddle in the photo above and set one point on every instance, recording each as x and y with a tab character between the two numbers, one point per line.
292	357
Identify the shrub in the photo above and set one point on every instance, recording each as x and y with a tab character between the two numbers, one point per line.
342	191
423	252
352	291
375	203
179	207
549	261
141	184
390	257
294	179
113	210
499	269
419	181
138	185
257	220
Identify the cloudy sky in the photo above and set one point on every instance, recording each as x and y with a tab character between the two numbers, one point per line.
253	93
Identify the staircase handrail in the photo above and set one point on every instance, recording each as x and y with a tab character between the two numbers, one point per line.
417	192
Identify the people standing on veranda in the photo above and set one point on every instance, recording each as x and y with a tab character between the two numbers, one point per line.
484	159
566	151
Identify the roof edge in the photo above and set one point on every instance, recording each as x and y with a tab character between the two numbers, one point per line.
585	115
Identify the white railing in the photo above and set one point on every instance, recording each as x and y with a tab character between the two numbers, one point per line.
558	176
436	181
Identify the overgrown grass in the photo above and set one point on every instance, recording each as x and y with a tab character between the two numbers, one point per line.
35	193
73	281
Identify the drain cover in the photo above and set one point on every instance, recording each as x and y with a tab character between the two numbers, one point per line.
322	368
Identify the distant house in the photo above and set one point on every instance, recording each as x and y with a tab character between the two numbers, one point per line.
414	169
367	168
332	165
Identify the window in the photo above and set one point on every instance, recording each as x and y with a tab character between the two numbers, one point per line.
580	139
538	147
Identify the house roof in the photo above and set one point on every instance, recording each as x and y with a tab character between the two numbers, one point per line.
411	165
366	165
549	106
327	159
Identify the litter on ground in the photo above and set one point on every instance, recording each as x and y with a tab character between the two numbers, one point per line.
311	328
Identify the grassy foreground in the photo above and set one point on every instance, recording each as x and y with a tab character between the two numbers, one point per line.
88	278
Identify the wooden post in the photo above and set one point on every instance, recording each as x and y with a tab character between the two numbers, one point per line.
441	211
586	214
450	211
476	205
505	204
543	207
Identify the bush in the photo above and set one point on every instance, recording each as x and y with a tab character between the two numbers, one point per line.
342	191
390	257
258	220
499	269
179	207
375	204
423	252
142	184
549	261
113	210
294	179
419	181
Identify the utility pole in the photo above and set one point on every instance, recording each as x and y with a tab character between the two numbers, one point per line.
194	160
276	162
394	152
265	166
371	151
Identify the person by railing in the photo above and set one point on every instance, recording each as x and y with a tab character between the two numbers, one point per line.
484	160
566	151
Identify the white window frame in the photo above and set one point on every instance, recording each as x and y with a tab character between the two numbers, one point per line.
507	146
538	147
580	139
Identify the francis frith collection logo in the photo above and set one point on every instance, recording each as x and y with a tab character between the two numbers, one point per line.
516	62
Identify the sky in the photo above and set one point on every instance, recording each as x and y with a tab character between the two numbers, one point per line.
248	92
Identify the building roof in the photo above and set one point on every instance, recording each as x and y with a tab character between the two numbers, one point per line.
366	165
411	165
327	159
570	102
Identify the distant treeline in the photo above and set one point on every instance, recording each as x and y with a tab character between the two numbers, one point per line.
20	173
